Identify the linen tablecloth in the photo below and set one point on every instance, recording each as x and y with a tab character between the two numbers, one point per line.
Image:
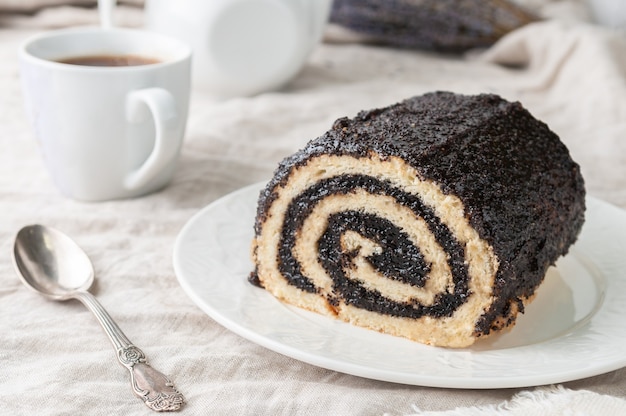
55	360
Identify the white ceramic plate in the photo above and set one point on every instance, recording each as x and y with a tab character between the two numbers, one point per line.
573	329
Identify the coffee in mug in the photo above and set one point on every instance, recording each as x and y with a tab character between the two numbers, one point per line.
109	60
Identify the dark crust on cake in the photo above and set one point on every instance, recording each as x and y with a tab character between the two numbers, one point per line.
522	192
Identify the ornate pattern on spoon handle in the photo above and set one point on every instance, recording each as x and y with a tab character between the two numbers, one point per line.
153	387
150	385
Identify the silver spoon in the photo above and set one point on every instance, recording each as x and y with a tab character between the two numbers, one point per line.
53	265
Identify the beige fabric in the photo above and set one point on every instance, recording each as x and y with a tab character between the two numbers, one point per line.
552	400
54	360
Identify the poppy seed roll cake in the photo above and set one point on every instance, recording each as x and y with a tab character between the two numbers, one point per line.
434	219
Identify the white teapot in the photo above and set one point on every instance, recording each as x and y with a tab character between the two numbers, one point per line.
242	47
611	13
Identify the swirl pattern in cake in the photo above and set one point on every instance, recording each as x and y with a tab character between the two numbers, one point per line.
434	219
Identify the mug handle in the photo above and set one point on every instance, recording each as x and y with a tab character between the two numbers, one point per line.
167	125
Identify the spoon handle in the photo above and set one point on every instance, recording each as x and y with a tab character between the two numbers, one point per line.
150	385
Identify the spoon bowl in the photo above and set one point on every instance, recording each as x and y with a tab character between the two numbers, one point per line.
51	263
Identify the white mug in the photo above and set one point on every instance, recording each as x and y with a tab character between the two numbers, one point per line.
242	47
107	132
